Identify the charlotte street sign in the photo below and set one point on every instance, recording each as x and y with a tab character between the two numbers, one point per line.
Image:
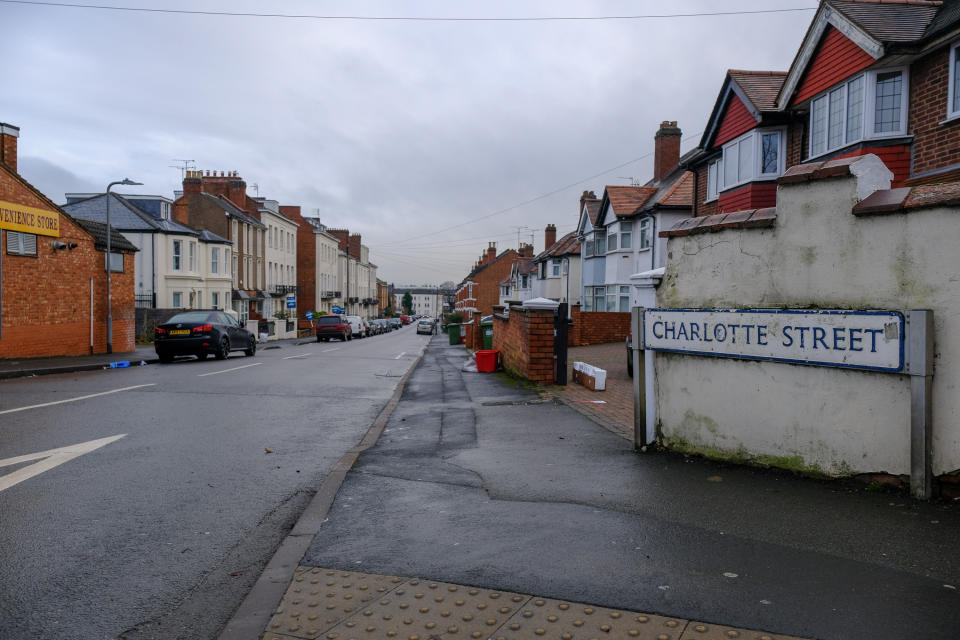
872	340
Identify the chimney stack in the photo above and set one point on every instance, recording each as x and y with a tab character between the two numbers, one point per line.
354	244
491	251
8	145
549	236
666	149
586	195
526	251
342	236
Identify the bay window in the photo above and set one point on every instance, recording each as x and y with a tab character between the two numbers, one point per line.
626	231
588	245
757	155
872	105
713	180
645	227
611	238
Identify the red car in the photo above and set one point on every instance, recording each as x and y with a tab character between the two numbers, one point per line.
405	320
333	326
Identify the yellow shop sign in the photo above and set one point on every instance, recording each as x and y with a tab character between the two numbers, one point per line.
17	217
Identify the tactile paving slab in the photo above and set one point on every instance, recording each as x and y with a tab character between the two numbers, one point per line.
560	620
706	631
430	610
327	604
319	599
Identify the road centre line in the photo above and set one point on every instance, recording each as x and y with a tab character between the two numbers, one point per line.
302	355
402	353
329	350
213	373
92	395
49	459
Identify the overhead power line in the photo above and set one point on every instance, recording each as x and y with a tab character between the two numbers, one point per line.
532	200
307	16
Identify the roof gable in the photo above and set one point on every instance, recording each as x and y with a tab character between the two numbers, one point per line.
825	18
743	99
736	120
837	57
624	201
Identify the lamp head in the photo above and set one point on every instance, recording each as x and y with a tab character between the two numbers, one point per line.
128	182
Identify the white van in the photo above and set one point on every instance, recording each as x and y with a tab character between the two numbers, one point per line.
356	326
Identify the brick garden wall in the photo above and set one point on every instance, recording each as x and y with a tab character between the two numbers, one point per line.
597	327
525	343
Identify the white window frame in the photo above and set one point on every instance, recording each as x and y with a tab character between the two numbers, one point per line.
555	269
626	235
646	224
714	167
868	115
176	262
953	107
612	231
177	299
214	259
753	139
214	299
21	243
192	255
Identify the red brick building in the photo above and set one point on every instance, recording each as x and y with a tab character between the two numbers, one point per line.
48	277
220	204
480	290
869	77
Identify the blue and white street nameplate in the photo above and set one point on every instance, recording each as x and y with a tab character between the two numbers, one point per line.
853	339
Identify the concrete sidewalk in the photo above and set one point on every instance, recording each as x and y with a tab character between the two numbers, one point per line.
479	485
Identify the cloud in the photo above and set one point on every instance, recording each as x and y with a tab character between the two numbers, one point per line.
392	129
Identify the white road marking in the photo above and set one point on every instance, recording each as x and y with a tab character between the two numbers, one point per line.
402	353
92	395
325	350
302	355
48	460
213	373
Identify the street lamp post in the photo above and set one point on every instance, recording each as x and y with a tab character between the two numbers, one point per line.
125	181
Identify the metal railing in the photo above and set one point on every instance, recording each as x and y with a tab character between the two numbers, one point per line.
145	300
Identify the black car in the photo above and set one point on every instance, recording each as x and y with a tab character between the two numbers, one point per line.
200	333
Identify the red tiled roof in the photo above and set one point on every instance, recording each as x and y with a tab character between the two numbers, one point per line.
568	244
681	193
760	87
628	200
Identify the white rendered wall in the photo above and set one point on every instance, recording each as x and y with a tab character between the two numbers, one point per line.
817	255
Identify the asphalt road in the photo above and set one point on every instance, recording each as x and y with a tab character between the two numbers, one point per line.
160	532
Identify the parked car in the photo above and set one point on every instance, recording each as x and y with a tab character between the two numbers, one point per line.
383	325
425	325
367	329
333	326
201	333
395	323
356	326
405	320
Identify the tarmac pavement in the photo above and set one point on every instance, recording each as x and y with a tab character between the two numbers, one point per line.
481	484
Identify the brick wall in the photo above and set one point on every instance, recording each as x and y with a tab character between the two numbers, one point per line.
597	327
701	208
487	288
935	145
306	260
525	343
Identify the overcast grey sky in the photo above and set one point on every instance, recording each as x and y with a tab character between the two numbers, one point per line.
393	129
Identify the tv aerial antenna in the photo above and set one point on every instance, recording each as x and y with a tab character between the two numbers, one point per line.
634	182
184	166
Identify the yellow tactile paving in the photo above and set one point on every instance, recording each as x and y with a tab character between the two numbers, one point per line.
422	609
343	605
705	631
561	620
318	599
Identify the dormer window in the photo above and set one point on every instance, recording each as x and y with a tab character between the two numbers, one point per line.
872	105
757	155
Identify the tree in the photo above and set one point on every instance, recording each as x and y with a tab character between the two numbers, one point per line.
407	303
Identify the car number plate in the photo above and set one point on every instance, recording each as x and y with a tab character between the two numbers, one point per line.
179	332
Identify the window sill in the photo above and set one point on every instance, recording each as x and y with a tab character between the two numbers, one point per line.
859	144
951	119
